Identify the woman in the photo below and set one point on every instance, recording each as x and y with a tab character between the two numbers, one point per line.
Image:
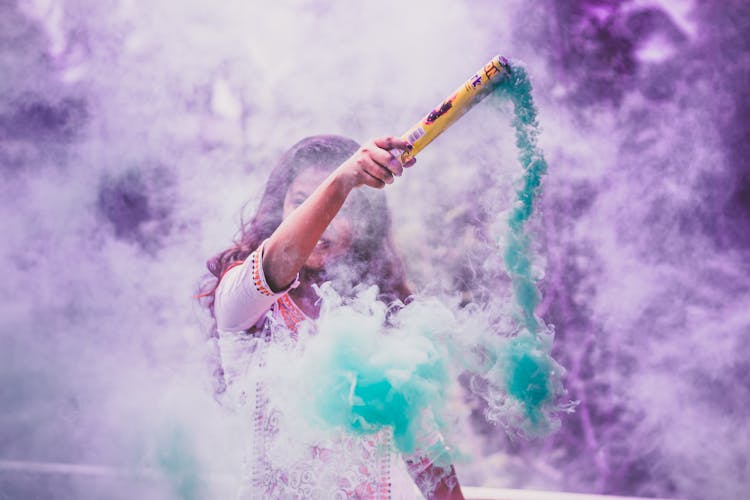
314	224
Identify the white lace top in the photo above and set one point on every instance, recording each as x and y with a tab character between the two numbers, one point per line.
282	460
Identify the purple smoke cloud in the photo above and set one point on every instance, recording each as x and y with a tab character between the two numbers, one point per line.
132	134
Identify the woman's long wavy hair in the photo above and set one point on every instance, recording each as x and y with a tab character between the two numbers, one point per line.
372	258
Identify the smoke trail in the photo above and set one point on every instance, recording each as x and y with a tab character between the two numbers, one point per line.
370	376
518	254
529	374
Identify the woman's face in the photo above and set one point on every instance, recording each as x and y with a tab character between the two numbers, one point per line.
337	238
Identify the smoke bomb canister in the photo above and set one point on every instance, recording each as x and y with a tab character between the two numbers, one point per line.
451	109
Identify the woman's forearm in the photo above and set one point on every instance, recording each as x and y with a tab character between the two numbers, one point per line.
294	240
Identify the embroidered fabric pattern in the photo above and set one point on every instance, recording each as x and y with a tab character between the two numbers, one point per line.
290	312
282	465
258	280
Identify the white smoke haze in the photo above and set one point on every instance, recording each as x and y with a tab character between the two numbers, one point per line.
132	134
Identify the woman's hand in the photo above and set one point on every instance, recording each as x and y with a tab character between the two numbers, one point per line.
374	165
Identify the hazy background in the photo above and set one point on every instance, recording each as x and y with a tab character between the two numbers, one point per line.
132	133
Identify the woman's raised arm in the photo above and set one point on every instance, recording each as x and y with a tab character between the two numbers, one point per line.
289	247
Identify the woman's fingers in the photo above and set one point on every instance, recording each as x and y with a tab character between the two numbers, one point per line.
379	172
372	181
390	142
390	148
387	160
378	161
